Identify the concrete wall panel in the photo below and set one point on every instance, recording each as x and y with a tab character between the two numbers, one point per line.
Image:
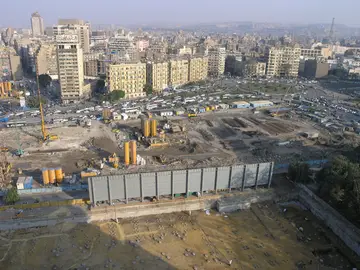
237	174
117	187
209	175
100	188
179	178
148	184
164	182
194	178
223	174
263	177
250	175
132	185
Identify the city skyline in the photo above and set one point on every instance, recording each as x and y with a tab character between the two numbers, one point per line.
189	12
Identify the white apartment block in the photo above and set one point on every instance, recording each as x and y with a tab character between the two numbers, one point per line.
130	78
216	64
283	61
70	68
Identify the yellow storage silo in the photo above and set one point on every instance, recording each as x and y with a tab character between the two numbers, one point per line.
153	128
59	175
45	176
2	88
126	153
52	176
133	152
9	86
147	128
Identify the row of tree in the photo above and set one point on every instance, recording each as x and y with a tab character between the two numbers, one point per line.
338	184
100	92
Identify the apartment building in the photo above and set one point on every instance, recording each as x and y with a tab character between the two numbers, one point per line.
128	77
178	72
283	61
198	68
216	66
78	27
10	65
37	25
254	68
46	60
157	75
70	68
311	53
122	49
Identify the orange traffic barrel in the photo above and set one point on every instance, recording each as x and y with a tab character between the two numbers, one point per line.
45	176
52	176
59	175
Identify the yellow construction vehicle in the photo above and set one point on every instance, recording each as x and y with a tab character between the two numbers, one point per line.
45	136
114	159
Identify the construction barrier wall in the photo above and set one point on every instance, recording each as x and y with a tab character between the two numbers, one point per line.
154	184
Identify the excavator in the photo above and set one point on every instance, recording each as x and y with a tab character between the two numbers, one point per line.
45	135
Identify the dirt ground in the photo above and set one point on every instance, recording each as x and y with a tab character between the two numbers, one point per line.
264	237
212	139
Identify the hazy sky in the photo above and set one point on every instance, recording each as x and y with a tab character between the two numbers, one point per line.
17	13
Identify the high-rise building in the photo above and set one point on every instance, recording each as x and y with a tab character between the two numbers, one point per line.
37	25
178	72
217	58
157	75
198	68
128	77
70	67
78	27
46	60
283	61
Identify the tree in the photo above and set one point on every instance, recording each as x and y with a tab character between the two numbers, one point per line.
12	196
116	95
299	172
44	80
100	86
148	89
33	102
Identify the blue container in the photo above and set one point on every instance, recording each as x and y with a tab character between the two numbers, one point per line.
202	110
4	119
28	182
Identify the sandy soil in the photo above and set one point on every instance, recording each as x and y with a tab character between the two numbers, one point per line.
263	237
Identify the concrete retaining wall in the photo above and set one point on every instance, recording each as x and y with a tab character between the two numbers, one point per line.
139	185
345	230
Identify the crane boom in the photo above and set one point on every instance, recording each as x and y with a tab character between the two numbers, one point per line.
43	128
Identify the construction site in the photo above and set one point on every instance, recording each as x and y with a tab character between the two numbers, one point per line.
212	139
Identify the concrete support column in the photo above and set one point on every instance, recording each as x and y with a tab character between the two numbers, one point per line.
270	173
257	175
126	191
216	179
141	188
109	190
172	185
230	176
202	182
243	179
